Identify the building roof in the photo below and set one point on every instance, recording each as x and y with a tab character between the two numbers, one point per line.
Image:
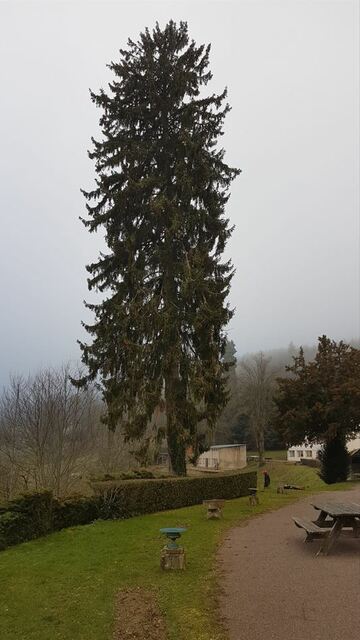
226	446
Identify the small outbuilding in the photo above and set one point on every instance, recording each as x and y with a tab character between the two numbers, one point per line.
223	457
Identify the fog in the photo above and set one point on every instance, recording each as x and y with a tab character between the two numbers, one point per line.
292	73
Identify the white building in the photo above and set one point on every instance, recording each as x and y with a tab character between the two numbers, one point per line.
295	453
223	456
305	450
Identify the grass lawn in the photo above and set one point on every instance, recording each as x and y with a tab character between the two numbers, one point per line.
62	587
274	455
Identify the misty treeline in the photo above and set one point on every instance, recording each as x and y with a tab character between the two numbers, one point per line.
252	387
52	437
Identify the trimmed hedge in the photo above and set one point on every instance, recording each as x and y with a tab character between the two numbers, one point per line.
28	517
35	515
127	499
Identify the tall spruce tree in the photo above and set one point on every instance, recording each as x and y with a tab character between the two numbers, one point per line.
162	187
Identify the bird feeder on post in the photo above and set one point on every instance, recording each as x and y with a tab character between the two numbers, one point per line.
172	555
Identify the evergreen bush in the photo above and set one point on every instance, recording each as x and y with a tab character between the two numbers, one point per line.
335	461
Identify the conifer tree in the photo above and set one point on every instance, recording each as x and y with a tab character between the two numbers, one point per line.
320	403
161	190
335	460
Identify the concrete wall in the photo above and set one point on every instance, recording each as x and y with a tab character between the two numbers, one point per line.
232	458
223	458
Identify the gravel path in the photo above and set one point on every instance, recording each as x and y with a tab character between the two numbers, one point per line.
274	588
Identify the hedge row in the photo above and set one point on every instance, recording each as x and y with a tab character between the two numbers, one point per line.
35	515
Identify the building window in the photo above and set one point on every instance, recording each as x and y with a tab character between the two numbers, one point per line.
300	454
309	454
291	454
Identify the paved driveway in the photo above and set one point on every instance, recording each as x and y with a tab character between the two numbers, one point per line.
273	588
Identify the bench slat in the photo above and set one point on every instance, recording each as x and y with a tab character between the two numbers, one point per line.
311	527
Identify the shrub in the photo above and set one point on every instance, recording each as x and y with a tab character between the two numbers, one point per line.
335	461
34	515
144	474
135	474
74	511
29	516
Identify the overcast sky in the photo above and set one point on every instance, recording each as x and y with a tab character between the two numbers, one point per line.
292	72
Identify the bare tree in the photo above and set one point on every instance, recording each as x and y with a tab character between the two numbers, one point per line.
257	385
52	436
112	452
46	430
13	468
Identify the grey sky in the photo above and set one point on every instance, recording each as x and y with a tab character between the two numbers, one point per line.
292	72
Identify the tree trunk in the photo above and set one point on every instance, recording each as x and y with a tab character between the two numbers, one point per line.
174	431
176	449
175	442
261	446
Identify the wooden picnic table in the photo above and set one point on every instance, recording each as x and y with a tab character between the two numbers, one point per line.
337	516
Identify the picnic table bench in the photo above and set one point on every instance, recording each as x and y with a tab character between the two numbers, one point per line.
335	518
312	529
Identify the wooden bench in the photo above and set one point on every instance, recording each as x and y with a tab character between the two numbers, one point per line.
214	508
312	530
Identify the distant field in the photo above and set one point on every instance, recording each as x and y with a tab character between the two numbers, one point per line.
63	586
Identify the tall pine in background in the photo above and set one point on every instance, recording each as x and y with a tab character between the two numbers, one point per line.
161	190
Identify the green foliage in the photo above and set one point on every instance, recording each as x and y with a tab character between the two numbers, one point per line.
161	190
29	516
143	474
241	432
134	474
35	515
321	399
272	439
230	414
335	461
74	511
138	497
